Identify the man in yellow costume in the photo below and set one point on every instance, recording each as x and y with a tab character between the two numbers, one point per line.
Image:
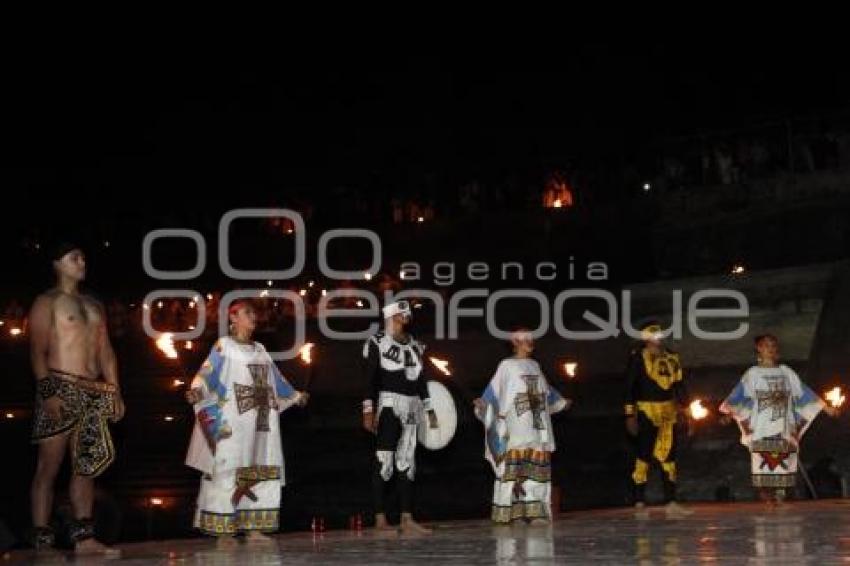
655	395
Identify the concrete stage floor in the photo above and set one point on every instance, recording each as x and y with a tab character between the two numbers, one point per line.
812	532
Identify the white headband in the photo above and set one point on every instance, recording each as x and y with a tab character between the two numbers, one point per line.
398	307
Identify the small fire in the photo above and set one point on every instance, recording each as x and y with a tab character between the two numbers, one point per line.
738	269
178	383
264	293
302	292
166	345
188	345
359	304
168	418
191	304
835	397
367	276
15	331
570	368
10	415
557	203
306	353
156	501
698	412
442	365
420	219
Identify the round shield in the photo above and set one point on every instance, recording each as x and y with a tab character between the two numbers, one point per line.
444	405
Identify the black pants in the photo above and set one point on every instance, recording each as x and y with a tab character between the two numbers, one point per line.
647	438
389	434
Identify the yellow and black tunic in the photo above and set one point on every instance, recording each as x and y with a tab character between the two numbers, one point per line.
655	391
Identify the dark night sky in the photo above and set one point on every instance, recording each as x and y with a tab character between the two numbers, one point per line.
150	126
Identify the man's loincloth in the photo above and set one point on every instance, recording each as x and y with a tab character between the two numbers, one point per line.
87	407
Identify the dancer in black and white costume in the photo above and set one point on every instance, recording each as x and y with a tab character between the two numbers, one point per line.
395	402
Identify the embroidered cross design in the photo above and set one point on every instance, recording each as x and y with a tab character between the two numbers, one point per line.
532	400
774	398
257	396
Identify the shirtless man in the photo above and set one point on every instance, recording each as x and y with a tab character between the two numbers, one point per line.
70	352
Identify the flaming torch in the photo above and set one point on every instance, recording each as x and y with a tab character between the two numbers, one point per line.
834	397
305	353
442	365
166	345
698	412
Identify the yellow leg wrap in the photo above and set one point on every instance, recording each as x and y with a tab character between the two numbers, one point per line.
664	442
669	469
639	476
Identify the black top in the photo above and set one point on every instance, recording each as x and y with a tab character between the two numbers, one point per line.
394	367
654	378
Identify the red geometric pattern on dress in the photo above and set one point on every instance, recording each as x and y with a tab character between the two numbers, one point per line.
774	459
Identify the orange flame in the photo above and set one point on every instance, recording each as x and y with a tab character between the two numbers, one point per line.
166	345
306	353
570	368
835	397
442	365
698	412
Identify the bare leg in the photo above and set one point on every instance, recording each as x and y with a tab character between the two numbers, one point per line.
82	504
51	452
81	491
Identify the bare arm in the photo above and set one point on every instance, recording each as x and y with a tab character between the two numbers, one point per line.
106	356
109	363
40	322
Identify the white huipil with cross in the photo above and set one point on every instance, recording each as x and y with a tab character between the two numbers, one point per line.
243	388
773	408
519	404
250	392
